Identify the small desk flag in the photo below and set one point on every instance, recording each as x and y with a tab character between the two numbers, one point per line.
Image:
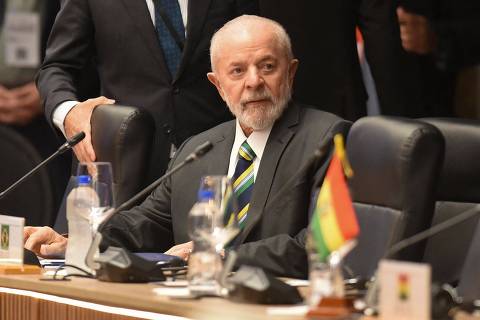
334	221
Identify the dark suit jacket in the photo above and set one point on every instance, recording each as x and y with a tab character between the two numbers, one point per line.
273	236
121	36
329	75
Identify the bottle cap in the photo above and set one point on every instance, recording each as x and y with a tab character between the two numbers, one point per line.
205	195
84	179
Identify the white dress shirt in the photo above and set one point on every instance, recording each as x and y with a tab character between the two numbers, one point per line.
257	141
64	108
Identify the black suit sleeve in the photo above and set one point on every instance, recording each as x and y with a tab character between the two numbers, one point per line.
147	227
69	48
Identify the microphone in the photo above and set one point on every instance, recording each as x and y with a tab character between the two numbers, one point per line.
63	148
371	298
117	264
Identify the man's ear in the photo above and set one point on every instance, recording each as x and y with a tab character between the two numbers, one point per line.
213	79
292	70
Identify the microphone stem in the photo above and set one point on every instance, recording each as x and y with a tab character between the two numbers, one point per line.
149	188
31	172
140	195
433	230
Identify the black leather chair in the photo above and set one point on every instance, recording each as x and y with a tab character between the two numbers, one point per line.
396	164
124	136
33	199
459	190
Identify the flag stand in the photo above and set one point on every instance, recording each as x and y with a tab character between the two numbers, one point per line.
332	307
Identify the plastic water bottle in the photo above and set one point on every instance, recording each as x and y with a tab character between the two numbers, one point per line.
204	263
80	202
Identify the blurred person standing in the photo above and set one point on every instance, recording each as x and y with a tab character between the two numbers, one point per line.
24	29
329	76
443	39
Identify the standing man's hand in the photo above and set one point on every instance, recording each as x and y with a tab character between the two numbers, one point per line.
415	31
18	106
78	119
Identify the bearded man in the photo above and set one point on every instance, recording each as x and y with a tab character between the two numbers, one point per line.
253	70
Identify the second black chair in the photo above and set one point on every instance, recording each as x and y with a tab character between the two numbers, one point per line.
396	164
459	190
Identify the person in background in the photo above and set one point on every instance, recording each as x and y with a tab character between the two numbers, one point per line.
443	39
20	57
324	40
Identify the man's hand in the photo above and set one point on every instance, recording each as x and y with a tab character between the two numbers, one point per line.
181	250
415	31
20	105
44	242
78	119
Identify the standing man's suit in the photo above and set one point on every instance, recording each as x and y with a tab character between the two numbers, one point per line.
273	236
121	37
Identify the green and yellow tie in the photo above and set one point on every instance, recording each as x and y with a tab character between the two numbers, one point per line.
243	180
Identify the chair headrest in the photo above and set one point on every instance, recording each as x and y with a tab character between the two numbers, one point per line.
395	161
460	175
123	136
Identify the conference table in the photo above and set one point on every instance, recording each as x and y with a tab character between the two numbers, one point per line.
28	297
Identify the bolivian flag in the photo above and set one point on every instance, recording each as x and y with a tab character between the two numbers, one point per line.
334	221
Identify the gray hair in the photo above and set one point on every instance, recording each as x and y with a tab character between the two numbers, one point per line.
244	23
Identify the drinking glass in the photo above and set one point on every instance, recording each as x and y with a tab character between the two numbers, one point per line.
212	223
102	183
224	222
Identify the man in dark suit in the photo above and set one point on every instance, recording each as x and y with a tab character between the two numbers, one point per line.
253	70
149	53
329	74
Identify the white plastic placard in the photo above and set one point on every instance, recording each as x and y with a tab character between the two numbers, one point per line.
11	240
404	290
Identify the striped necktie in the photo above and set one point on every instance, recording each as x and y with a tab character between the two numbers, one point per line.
243	180
171	50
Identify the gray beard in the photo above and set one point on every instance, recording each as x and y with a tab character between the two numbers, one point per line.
260	117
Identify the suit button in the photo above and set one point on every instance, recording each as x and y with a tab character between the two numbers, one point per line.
176	90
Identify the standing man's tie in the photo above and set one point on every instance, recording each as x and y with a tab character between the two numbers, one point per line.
243	180
170	31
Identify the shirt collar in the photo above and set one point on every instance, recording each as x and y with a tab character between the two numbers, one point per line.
257	139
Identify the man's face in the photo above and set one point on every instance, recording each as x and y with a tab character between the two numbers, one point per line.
254	77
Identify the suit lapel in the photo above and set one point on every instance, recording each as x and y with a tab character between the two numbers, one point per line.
138	11
282	132
197	12
222	146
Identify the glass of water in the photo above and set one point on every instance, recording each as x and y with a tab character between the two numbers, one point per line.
102	183
212	225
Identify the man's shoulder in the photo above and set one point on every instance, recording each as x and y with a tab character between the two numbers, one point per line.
212	135
312	112
312	118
